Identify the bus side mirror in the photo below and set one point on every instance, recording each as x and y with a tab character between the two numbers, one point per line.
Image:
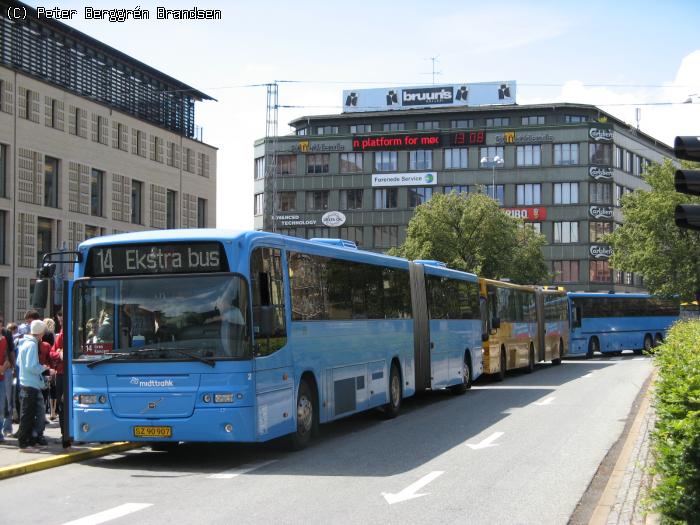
496	323
265	321
41	293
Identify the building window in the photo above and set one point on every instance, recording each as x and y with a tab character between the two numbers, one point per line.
326	130
258	204
600	153
596	230
462	123
121	134
394	126
3	239
351	199
317	163
136	201
3	170
497	122
171	201
302	132
566	232
91	231
499	195
157	153
318	233
618	157
386	160
599	272
351	163
352	233
361	128
386	236
140	143
566	271
96	192
287	201
418	196
420	159
534	120
627	157
201	213
536	226
286	165
487	154
101	126
575	119
459	189
566	193
260	168
529	155
565	154
637	165
44	242
599	192
317	200
456	158
528	194
50	182
386	198
28	104
427	125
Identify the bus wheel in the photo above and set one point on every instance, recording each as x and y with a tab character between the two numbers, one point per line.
466	383
658	340
306	418
391	409
531	360
501	374
647	346
593	347
557	361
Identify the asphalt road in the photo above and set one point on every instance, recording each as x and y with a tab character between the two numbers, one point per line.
521	451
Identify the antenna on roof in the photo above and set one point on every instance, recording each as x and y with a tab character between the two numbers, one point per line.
434	60
638	115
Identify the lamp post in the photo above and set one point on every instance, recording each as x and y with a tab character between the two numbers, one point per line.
494	161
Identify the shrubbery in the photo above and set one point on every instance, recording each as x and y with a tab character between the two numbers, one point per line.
676	439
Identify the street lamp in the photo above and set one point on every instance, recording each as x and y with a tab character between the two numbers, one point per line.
495	160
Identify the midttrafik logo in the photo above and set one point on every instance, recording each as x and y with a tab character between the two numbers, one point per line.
150	383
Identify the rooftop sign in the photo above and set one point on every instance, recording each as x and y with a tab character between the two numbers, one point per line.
419	97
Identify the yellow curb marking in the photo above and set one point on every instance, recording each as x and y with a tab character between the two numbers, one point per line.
64	459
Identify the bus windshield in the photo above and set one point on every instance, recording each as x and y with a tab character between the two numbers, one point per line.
164	318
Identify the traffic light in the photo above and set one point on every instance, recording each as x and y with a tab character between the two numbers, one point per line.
687	181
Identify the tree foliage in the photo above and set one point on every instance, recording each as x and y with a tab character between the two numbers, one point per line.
650	243
472	234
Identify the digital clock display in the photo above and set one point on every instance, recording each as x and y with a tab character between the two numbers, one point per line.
468	138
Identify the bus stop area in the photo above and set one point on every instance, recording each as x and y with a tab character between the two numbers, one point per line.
13	462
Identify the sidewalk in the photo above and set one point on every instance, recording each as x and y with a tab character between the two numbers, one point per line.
14	463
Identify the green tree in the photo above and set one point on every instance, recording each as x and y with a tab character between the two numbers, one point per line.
472	234
650	243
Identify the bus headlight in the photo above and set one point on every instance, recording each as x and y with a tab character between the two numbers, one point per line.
206	398
103	399
223	398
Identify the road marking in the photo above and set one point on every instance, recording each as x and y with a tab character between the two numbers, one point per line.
410	491
639	359
545	402
486	443
111	514
517	387
589	374
228	474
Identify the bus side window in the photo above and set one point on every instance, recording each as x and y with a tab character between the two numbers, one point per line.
269	324
577	316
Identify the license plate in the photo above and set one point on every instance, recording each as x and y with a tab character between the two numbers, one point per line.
156	432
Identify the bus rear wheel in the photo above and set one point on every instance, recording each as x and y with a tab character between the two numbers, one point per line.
501	374
647	346
392	408
306	418
557	361
531	360
593	347
658	340
466	383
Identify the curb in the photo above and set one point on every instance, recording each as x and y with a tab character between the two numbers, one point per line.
609	496
64	459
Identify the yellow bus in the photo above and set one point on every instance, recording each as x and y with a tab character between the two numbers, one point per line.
552	324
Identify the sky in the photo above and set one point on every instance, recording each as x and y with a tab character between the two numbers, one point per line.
619	56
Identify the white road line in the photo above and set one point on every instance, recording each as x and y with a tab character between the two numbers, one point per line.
486	443
517	387
546	401
244	469
639	359
111	514
410	491
589	374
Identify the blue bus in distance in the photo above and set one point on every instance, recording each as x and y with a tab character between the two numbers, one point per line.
213	335
612	322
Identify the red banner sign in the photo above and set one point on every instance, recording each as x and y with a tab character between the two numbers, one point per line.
527	214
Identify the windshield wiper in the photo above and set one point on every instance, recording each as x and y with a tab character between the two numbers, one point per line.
107	357
177	349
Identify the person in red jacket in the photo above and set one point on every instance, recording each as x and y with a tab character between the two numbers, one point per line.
56	356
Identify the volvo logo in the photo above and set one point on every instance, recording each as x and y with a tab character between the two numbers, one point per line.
151	405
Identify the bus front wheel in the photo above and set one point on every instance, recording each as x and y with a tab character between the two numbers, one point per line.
501	374
306	418
391	409
466	383
593	347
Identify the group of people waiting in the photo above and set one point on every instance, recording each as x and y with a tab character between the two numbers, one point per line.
31	378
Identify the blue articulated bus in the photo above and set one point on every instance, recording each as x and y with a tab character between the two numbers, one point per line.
612	322
212	335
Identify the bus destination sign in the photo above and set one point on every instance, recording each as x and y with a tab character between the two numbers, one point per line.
134	259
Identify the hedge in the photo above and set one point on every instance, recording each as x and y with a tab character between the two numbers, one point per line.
676	438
